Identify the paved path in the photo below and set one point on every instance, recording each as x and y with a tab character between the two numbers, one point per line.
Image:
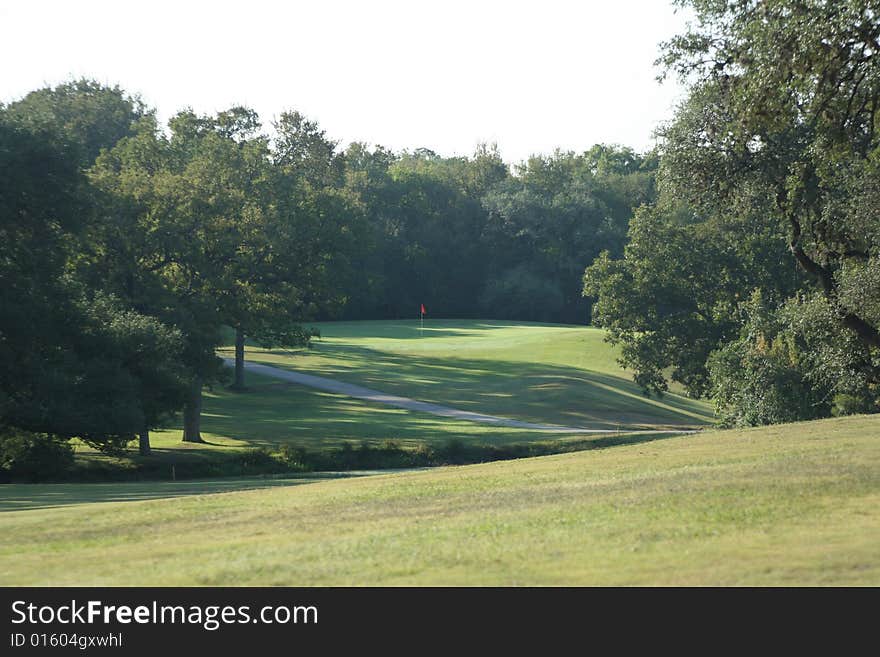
359	392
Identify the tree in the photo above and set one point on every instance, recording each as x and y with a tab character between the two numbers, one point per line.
422	230
208	231
785	98
87	115
792	362
776	147
165	224
758	377
472	239
554	217
304	151
674	296
71	359
150	351
293	234
435	227
368	183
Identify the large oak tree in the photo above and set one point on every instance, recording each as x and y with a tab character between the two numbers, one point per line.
786	99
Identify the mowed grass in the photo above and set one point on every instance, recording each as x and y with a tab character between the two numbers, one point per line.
785	505
17	497
272	412
544	373
538	372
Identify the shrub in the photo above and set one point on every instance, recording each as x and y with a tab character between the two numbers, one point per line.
34	456
258	461
453	452
794	362
851	404
294	457
760	378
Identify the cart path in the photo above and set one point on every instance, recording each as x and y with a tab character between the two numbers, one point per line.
359	392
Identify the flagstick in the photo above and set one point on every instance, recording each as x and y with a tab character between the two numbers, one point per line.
422	325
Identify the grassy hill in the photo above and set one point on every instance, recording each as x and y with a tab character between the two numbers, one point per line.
791	504
545	373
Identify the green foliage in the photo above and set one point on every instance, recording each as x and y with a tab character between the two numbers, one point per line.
513	293
109	375
150	352
759	379
129	246
73	362
293	456
286	336
551	219
791	363
217	228
303	149
673	298
784	106
85	116
33	456
774	153
468	238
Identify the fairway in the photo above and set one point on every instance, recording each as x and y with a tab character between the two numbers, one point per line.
541	373
273	412
789	504
536	373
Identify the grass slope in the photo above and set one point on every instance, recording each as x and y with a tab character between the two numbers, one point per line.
535	372
539	372
273	412
791	504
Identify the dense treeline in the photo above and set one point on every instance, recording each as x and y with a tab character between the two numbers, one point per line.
128	247
469	238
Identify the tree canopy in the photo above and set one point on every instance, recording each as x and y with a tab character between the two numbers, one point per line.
777	148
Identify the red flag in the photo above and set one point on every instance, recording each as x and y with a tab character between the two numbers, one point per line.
423	309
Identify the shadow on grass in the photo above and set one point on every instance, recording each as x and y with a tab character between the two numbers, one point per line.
342	433
19	497
281	412
345	461
532	392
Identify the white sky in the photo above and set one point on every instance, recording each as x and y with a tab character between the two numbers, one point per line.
531	76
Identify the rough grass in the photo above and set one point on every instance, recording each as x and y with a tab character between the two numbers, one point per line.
786	505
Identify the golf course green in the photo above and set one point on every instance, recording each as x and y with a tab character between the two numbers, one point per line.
539	373
551	373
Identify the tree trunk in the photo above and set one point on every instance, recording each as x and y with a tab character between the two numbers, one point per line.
238	383
192	413
144	442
